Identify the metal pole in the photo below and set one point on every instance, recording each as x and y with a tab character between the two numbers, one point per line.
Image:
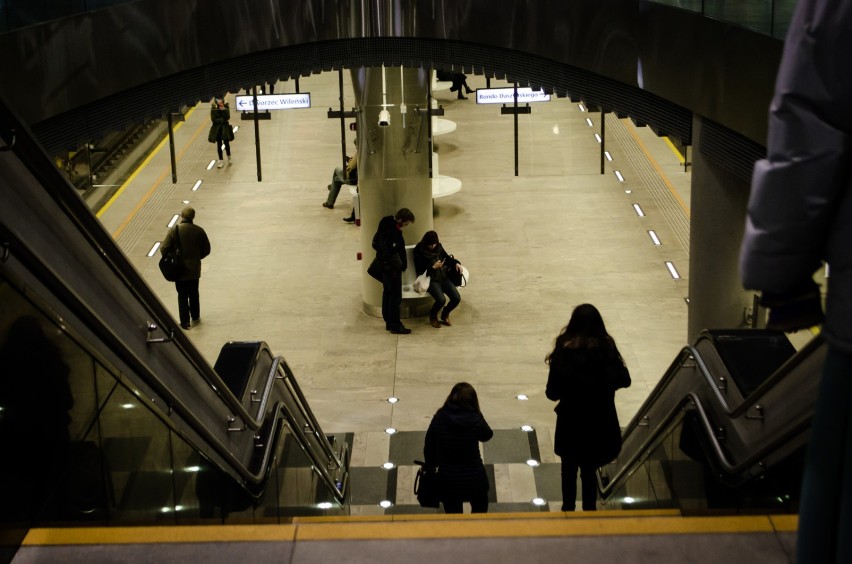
172	147
89	158
603	138
256	134
516	129
342	119
297	85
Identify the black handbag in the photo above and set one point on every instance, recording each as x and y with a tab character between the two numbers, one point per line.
452	272
376	269
426	485
171	263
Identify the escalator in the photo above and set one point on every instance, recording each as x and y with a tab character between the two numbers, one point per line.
108	413
724	430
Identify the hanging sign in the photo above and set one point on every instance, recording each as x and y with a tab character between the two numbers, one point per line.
507	95
267	102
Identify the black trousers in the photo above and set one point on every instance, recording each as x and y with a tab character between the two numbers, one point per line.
391	298
188	303
478	503
569	485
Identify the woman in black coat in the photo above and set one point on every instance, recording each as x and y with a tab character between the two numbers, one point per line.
429	257
221	131
452	446
585	371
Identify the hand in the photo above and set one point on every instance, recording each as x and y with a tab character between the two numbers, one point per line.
438	264
459	267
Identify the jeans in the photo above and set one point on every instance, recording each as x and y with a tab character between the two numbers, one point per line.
338	179
437	291
825	512
219	143
391	298
569	485
188	303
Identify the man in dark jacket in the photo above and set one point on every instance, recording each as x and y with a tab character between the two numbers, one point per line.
799	214
193	244
390	251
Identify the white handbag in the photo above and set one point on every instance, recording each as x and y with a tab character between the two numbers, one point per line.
421	283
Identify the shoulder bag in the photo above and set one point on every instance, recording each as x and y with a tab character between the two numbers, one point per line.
171	263
426	485
456	277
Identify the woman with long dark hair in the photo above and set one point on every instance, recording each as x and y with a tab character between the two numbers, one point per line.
429	257
452	446
585	371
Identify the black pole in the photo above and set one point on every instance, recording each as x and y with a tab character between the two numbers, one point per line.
89	159
603	138
516	129
256	134
297	85
172	147
342	119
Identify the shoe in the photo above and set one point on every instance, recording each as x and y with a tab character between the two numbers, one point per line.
185	326
196	321
470	90
350	219
327	205
220	164
462	97
401	330
434	322
446	321
229	160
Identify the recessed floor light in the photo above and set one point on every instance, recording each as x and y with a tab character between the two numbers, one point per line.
598	138
653	235
325	505
538	501
393	400
628	500
589	122
619	176
174	220
388	465
154	249
607	155
522	397
527	428
532	462
638	210
390	430
385	503
197	185
672	270
212	164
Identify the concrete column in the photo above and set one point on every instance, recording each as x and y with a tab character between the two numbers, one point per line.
717	221
393	164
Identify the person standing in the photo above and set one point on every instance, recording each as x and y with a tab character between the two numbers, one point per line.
194	246
452	446
389	245
429	257
221	131
800	214
585	371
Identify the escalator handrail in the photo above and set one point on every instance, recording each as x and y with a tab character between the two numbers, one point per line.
782	372
290	383
57	188
693	403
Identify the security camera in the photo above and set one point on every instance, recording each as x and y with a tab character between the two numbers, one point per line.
384	118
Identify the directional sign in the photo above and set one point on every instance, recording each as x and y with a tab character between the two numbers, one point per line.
274	102
507	95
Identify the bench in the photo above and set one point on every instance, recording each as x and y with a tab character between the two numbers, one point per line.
439	84
409	275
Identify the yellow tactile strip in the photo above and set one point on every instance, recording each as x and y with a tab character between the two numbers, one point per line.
447	527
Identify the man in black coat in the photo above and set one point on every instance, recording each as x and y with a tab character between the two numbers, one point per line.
390	252
194	246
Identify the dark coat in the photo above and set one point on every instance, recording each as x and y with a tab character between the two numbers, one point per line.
194	246
424	259
220	128
390	245
452	445
583	381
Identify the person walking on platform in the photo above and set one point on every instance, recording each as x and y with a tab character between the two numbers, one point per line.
452	446
585	371
429	257
800	214
194	246
389	245
221	131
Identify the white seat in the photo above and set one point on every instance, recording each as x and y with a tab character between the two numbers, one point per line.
439	84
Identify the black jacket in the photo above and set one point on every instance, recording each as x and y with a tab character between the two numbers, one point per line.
583	381
452	445
194	246
424	259
390	245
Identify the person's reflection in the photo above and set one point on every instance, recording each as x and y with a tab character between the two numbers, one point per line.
35	398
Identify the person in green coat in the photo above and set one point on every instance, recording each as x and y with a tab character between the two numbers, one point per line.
221	131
